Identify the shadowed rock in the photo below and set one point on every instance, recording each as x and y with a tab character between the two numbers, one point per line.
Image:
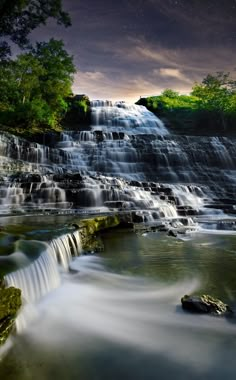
205	304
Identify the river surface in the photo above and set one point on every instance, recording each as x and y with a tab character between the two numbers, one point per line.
118	315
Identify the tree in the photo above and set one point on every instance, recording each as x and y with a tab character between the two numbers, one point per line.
57	78
28	71
215	95
168	93
36	86
20	17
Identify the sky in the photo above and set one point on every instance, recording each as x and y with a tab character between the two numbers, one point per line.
124	49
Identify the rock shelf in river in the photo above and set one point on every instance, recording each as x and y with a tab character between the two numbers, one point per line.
205	304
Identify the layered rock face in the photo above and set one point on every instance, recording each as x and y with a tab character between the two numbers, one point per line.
126	161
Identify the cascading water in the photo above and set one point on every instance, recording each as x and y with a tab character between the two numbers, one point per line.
129	119
126	160
42	275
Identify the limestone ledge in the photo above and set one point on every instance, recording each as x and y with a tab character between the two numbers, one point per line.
90	227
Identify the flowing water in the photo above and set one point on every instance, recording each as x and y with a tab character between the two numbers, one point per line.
118	315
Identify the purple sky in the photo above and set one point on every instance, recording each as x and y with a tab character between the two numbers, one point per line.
130	48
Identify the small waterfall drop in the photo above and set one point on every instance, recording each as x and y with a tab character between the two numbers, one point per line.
37	279
120	117
42	275
65	247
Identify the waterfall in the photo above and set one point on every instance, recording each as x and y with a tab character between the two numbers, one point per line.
132	119
42	275
65	247
37	279
125	160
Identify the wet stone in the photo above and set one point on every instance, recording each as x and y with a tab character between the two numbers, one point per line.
205	304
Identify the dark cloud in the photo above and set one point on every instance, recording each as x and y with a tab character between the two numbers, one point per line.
129	48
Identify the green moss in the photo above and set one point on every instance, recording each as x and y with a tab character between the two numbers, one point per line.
89	228
97	224
10	303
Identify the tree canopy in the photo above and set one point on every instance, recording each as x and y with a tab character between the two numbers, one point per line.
20	17
217	95
35	86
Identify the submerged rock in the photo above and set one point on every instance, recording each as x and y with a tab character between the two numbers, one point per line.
205	304
10	303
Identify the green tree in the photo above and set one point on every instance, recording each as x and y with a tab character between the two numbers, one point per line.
168	93
27	75
36	87
57	77
20	17
216	94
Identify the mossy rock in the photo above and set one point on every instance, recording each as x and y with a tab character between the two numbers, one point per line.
89	227
93	244
10	303
98	224
205	304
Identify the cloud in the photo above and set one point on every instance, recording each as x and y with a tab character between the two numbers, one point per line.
133	48
98	85
196	61
95	75
172	73
136	67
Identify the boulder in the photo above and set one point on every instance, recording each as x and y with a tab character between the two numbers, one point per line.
172	233
205	304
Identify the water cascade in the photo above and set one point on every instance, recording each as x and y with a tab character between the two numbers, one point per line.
126	160
42	275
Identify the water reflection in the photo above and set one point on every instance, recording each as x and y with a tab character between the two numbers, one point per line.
205	255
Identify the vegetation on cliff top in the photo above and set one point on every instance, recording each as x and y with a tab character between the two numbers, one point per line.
210	108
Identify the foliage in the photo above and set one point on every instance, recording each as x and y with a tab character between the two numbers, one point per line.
168	93
20	17
35	87
169	101
209	109
217	96
78	112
